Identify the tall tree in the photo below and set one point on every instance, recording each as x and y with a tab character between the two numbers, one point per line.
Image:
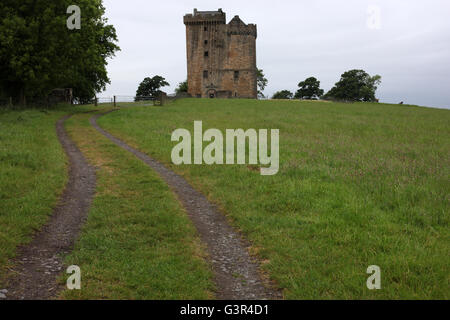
309	89
149	87
39	52
283	94
355	85
262	82
182	87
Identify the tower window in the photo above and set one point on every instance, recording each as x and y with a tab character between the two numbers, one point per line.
206	41
236	75
206	29
206	53
205	74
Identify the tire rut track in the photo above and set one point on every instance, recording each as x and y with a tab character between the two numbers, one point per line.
237	275
39	264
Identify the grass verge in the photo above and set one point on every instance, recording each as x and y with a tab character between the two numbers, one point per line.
32	176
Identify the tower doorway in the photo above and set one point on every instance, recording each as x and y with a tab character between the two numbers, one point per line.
212	94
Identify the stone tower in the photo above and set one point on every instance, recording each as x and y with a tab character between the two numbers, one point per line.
221	57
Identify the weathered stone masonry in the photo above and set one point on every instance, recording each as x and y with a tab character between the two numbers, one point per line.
221	57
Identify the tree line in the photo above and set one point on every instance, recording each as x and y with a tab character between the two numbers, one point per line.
39	53
354	85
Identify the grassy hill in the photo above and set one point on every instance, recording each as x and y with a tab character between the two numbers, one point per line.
359	184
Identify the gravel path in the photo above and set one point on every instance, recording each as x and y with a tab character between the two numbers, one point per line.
237	275
40	263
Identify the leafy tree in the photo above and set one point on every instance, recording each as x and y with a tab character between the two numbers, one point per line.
182	87
284	94
355	85
149	87
309	89
261	82
39	53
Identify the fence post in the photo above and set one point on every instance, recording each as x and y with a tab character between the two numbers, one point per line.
114	101
161	98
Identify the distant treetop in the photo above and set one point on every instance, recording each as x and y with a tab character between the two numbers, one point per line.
355	85
309	89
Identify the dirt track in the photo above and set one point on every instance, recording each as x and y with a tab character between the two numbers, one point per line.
39	263
236	273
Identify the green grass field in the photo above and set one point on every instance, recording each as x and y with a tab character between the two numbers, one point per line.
359	185
32	176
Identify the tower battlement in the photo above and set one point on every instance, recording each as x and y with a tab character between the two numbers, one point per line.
237	27
205	17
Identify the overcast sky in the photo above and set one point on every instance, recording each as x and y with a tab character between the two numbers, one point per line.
409	45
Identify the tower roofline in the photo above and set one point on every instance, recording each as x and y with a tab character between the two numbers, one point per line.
202	17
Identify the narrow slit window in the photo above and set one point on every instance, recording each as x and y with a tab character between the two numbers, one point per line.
206	41
205	74
236	75
206	29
